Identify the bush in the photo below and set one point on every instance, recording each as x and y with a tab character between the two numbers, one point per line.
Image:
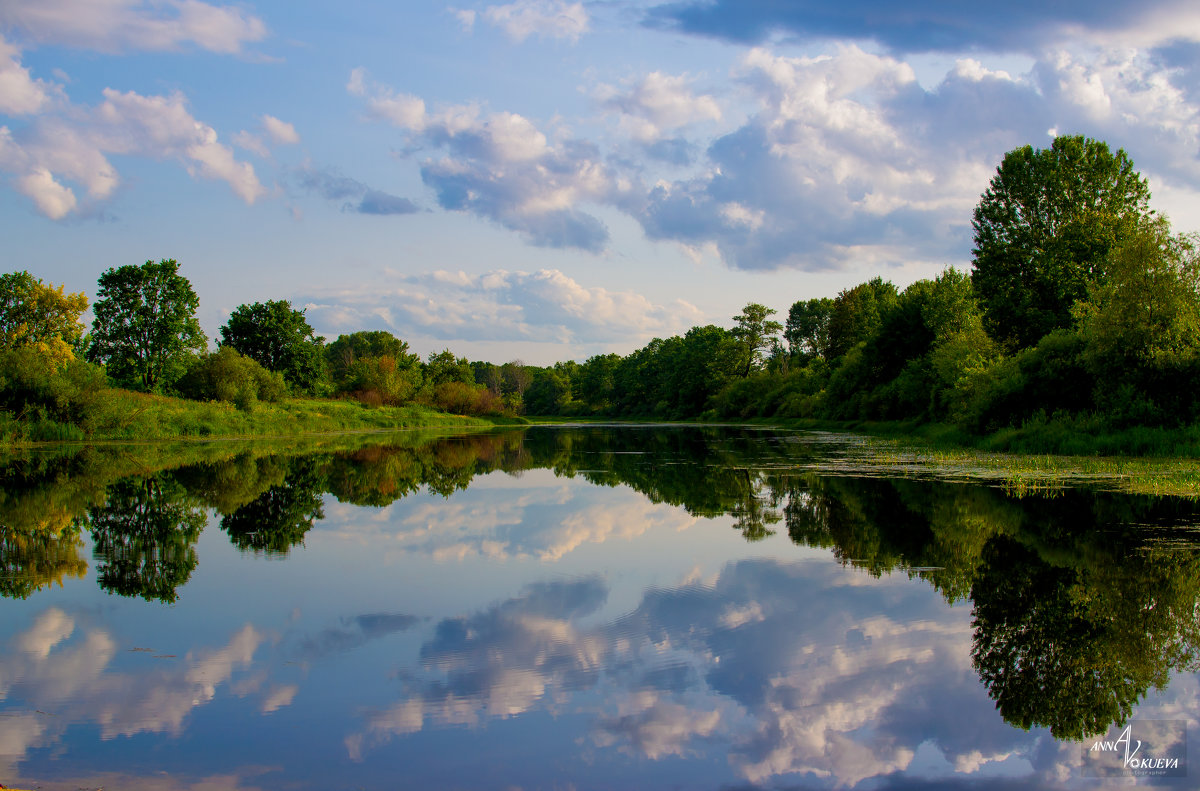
392	381
227	375
36	391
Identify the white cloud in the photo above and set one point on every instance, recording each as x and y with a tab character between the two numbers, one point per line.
73	146
502	167
502	305
542	18
133	25
51	198
656	104
162	127
20	94
280	132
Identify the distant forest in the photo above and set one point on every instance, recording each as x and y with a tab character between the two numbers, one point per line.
1081	307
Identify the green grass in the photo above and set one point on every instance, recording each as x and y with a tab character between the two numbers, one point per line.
122	415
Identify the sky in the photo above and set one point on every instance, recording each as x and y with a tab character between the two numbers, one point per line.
547	180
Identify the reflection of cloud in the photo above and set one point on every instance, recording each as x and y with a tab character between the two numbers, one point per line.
654	727
785	667
57	671
279	697
497	663
353	633
543	523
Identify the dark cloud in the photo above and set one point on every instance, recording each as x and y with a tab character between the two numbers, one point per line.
376	202
355	196
928	26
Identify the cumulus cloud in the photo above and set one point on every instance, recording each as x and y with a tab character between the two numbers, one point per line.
501	305
133	25
932	25
20	93
274	130
353	195
824	175
74	146
542	18
657	104
502	167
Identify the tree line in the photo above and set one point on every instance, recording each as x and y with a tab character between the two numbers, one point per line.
1081	306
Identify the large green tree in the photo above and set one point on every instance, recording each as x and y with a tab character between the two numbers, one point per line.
1043	231
280	339
145	329
807	330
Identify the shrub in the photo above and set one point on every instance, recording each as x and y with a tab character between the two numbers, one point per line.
34	390
227	375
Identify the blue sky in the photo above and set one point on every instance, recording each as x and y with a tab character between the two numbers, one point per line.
547	179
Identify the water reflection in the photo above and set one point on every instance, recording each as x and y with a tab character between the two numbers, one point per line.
949	602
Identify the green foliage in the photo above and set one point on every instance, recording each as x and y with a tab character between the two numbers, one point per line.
596	381
754	332
387	379
807	331
280	339
856	315
461	398
1043	232
348	349
226	375
145	331
549	393
36	392
444	367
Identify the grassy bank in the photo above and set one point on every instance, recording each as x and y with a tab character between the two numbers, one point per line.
122	415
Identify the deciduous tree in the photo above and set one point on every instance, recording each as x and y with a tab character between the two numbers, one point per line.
755	330
280	339
1043	231
41	316
145	329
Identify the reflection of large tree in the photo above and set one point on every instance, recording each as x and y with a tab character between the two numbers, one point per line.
277	519
144	537
1075	648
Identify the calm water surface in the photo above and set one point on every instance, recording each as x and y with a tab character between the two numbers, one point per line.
590	608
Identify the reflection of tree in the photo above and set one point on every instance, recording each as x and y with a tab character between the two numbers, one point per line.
144	537
30	561
277	519
1074	649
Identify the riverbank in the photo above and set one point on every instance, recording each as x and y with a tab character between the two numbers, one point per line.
1025	461
122	415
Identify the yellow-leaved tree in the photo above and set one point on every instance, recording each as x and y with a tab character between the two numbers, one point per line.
40	316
